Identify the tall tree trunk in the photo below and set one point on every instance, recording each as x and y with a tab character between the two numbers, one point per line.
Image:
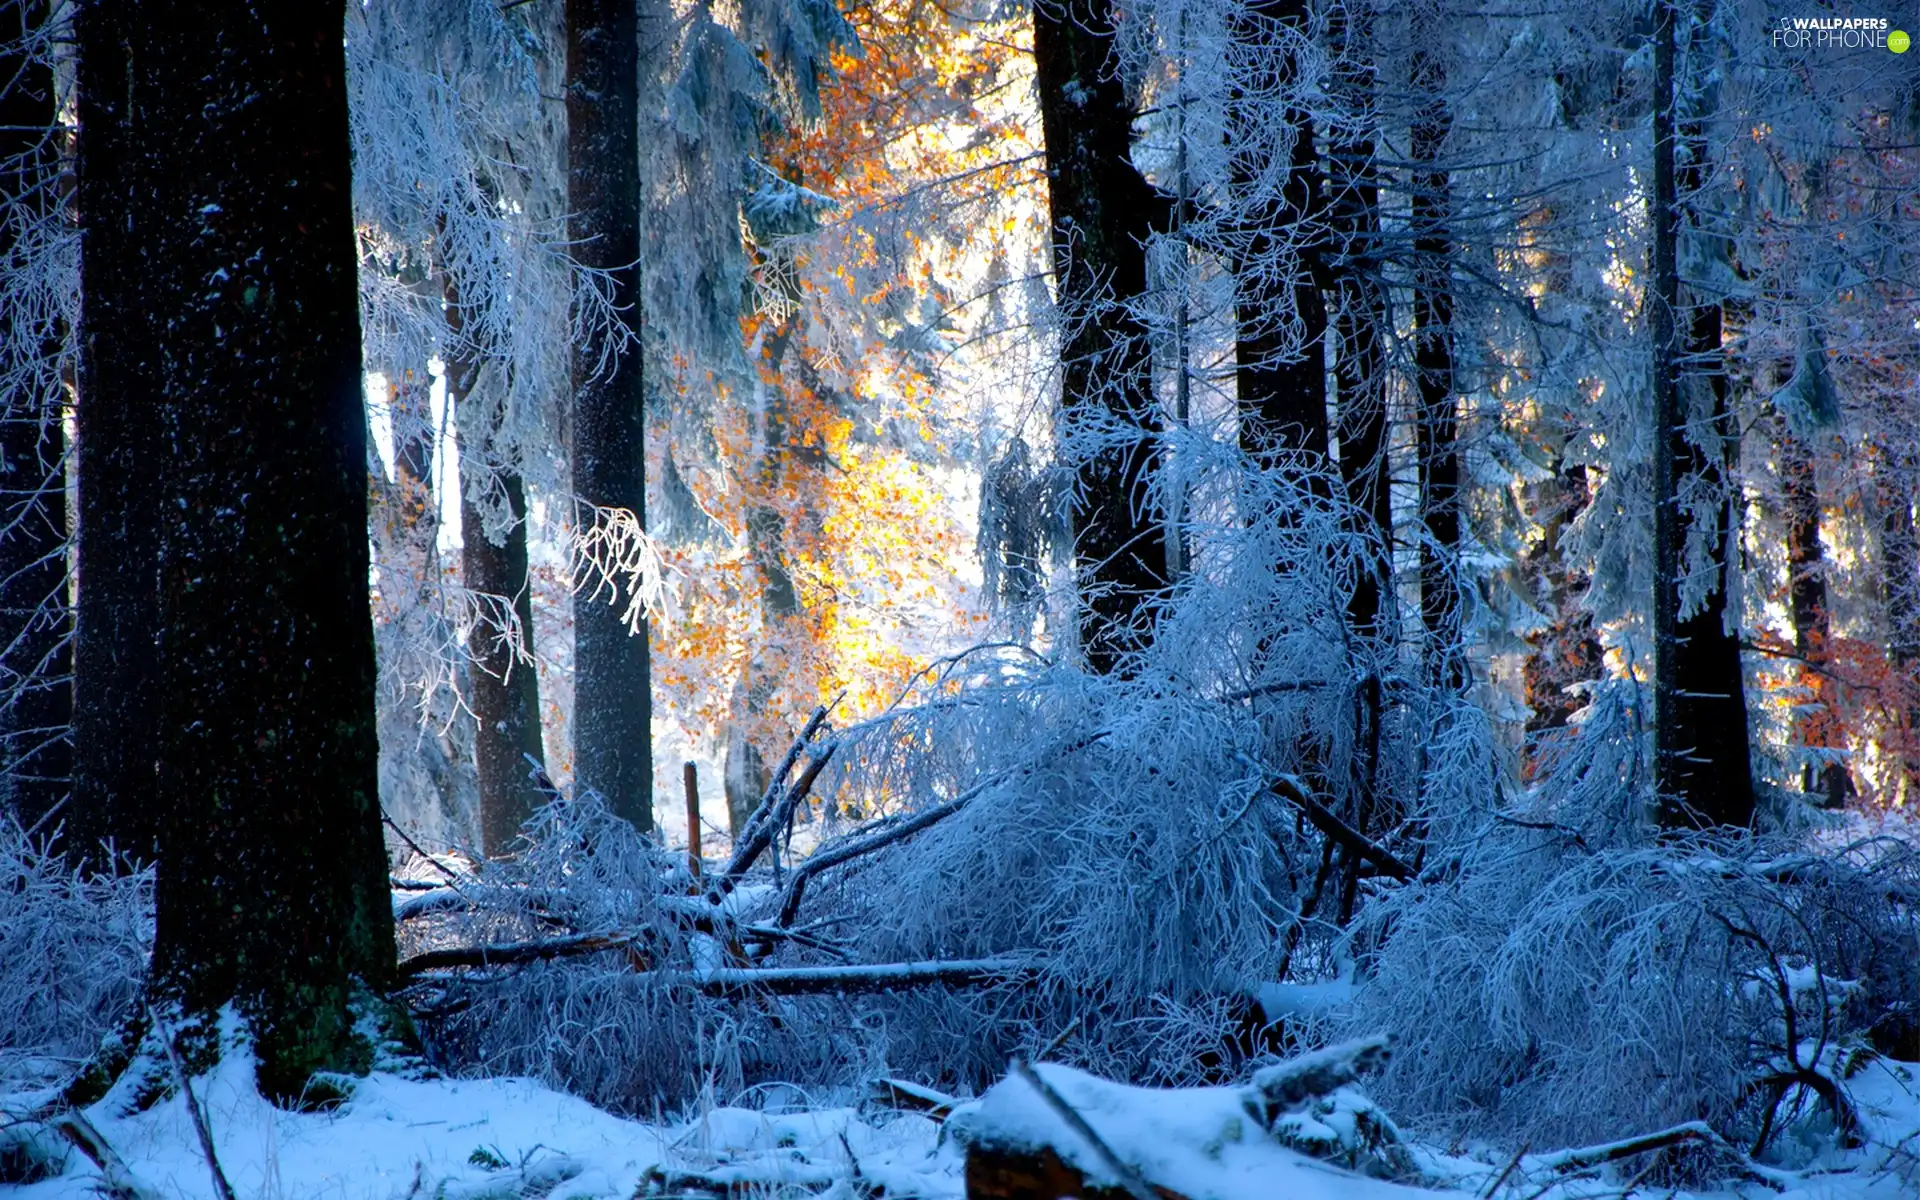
504	685
1280	314
612	686
1102	213
1437	422
221	319
1360	314
35	620
1900	583
1818	729
1359	367
116	743
1702	768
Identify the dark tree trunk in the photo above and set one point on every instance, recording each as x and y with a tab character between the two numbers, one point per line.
36	666
1807	597
1900	582
504	687
221	319
1437	421
1360	366
1280	222
1702	768
612	684
1102	213
116	662
1359	317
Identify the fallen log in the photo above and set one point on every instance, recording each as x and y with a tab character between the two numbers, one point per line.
518	953
873	977
730	981
1289	1086
1048	1131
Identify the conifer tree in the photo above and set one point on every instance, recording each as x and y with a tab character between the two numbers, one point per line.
220	383
1102	214
612	698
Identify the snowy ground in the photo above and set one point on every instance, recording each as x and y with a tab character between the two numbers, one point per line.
473	1139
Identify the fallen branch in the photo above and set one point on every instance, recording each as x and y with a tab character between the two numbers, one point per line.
516	953
1320	818
116	1179
729	981
1693	1133
221	1187
859	845
872	977
832	856
901	1096
760	826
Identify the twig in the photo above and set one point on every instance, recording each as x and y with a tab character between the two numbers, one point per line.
1060	1039
453	880
221	1187
537	772
833	856
1130	1178
860	977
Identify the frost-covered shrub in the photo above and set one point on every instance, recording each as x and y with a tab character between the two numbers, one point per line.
1122	833
625	1028
1560	989
73	955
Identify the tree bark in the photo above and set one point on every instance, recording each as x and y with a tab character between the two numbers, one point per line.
36	648
1102	213
1360	315
612	689
1900	584
1807	597
221	318
504	685
116	730
1279	312
1437	424
1702	767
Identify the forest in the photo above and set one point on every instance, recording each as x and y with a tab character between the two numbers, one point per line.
1007	599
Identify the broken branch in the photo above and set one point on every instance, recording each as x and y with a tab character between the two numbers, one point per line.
1320	818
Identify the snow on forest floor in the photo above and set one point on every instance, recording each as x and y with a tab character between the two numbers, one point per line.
480	1139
